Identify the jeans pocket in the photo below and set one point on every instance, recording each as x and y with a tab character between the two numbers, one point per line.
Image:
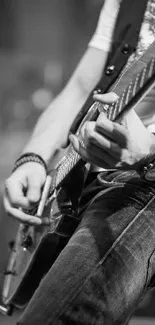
117	178
102	179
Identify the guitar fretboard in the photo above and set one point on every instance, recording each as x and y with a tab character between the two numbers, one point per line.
137	88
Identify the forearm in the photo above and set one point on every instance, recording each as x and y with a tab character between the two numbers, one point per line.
51	132
52	129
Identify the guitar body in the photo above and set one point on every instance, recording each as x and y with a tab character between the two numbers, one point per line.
36	248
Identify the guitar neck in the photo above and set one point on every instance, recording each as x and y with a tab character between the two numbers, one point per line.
132	94
136	89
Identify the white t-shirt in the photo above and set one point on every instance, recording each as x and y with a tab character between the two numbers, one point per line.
102	40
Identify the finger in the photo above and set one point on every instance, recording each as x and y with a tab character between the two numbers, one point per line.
20	215
23	217
34	189
112	130
107	98
90	137
93	155
15	193
74	141
100	157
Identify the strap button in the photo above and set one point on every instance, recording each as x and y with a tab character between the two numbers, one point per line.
110	69
97	91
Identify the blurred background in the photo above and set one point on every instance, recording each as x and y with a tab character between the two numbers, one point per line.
41	41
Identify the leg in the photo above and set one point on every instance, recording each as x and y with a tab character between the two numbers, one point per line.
107	265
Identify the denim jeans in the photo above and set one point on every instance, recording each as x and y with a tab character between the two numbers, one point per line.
109	263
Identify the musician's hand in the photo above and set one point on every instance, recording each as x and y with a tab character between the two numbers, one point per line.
122	144
23	191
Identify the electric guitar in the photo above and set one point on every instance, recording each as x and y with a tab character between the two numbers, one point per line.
36	248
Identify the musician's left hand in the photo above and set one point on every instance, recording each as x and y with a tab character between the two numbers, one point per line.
123	144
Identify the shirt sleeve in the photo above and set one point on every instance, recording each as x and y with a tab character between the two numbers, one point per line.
102	37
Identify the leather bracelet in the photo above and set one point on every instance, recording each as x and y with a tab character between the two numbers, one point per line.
29	157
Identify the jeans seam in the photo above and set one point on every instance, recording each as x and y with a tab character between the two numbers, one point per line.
109	251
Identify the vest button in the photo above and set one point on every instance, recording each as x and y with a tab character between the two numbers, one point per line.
126	49
110	70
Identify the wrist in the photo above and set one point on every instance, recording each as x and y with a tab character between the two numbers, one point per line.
48	147
45	152
51	156
29	157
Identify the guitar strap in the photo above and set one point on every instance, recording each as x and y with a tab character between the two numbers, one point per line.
126	35
125	39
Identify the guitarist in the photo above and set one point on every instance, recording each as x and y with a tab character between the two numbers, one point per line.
109	262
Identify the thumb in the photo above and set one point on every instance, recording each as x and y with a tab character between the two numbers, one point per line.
34	189
107	98
74	141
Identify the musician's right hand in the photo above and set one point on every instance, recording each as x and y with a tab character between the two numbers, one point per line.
23	190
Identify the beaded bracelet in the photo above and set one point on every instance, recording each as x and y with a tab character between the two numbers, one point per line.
29	157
